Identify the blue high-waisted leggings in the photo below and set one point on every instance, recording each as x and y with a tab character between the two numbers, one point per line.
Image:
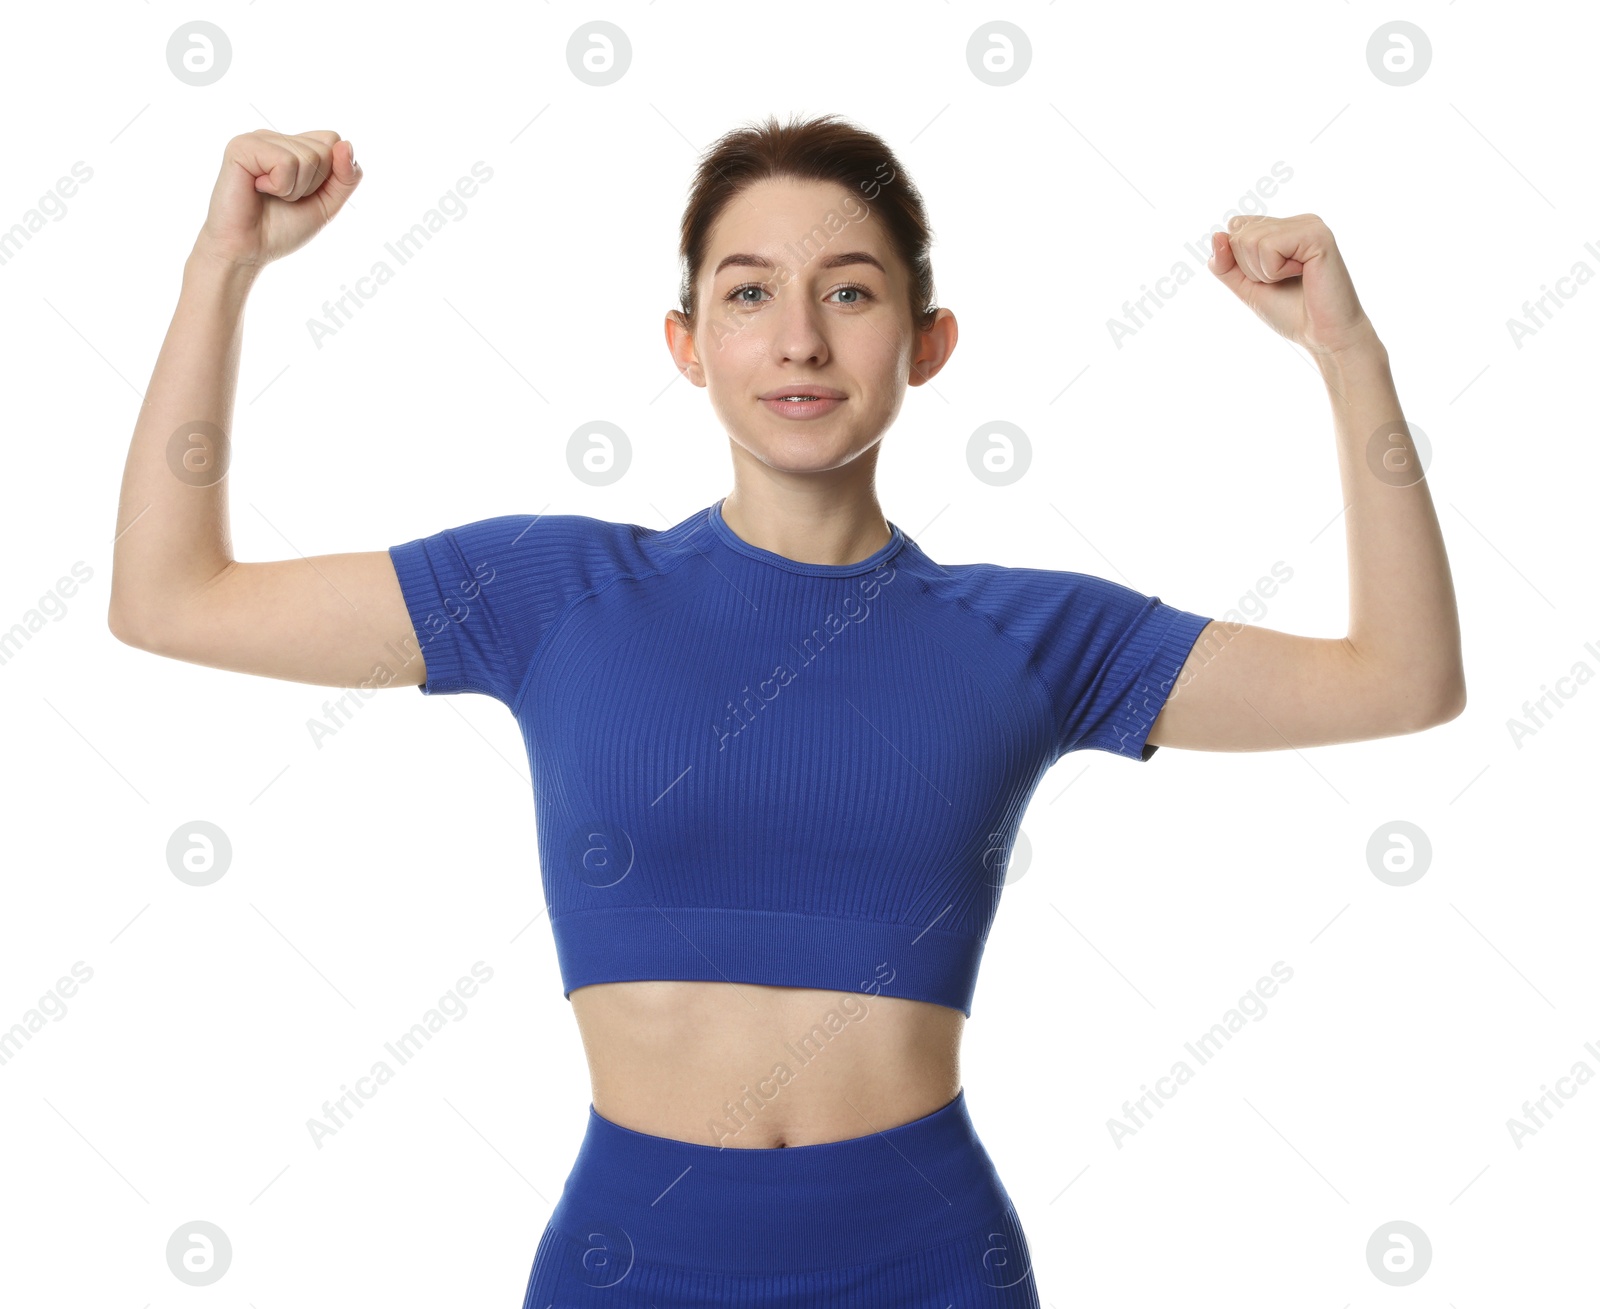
914	1217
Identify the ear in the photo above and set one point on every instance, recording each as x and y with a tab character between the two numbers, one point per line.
681	345
934	346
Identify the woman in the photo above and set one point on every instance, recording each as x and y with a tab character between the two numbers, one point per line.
778	753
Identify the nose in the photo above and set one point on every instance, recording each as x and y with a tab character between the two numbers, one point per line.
797	330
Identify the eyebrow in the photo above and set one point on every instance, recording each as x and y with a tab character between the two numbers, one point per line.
832	261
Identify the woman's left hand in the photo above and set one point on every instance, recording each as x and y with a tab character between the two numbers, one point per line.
1290	272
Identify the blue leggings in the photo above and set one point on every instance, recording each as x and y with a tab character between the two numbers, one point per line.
914	1217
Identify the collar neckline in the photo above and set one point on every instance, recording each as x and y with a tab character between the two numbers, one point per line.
726	535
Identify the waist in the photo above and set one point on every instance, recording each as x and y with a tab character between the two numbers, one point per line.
763	1067
632	1197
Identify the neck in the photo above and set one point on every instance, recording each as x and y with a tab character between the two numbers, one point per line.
811	520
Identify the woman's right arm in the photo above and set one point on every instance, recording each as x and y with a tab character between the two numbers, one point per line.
176	589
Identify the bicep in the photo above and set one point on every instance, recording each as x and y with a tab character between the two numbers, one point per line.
330	620
1253	688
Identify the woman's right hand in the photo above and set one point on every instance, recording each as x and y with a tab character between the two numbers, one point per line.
275	193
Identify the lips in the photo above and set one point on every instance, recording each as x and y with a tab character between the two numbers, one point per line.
802	409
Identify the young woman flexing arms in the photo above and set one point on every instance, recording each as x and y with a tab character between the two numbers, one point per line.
775	747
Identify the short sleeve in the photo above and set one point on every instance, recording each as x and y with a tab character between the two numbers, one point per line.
482	595
1105	655
1110	658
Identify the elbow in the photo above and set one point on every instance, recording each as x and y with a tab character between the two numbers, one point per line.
117	621
1438	704
127	625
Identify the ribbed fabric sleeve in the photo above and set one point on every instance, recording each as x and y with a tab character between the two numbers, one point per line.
481	596
1107	654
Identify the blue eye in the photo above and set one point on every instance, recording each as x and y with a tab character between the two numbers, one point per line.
864	292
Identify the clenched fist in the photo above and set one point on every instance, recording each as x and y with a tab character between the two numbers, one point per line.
1290	272
275	193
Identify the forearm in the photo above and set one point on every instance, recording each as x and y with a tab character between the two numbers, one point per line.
172	518
1403	622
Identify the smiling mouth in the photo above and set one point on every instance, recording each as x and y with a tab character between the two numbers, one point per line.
802	404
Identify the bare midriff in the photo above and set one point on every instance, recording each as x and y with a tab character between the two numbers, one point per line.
760	1067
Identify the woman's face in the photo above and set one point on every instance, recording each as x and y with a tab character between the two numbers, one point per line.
801	290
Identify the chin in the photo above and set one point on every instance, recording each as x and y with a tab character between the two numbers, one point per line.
791	464
799	452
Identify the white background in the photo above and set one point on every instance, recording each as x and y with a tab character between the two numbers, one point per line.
369	874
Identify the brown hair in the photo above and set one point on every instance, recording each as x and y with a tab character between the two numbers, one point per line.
824	149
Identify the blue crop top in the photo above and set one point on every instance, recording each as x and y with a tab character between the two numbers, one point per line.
751	769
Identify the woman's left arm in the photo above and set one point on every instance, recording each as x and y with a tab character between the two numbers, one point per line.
1399	668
